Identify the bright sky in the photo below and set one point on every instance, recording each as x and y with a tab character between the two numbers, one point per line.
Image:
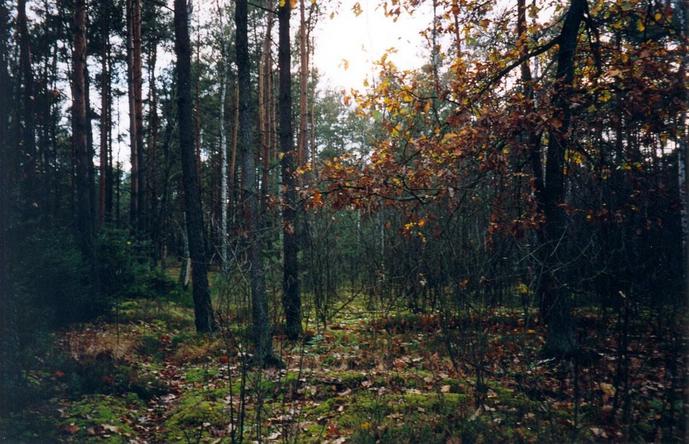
360	40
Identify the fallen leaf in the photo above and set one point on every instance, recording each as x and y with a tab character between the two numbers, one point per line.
71	428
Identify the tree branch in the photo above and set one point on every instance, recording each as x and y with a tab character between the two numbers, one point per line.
503	72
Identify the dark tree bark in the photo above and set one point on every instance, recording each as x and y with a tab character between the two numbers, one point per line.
303	82
110	171
290	285
28	125
259	307
205	320
10	372
137	207
89	140
85	222
151	174
5	147
105	168
265	96
561	339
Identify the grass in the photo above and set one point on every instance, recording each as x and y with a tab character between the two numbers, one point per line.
369	379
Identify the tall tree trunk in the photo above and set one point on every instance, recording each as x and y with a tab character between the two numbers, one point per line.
290	284
10	372
224	201
261	328
151	157
28	126
683	149
104	212
133	138
197	100
561	339
312	119
303	83
89	140
265	93
84	213
109	172
232	176
203	310
136	115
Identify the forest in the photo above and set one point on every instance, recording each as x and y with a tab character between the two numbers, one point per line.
205	239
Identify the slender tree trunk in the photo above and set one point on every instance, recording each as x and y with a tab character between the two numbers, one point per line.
265	123
138	186
683	151
224	247
232	176
303	83
109	171
139	117
197	101
312	119
89	140
132	79
105	127
85	222
28	126
203	310
561	339
261	328
151	173
10	372
290	285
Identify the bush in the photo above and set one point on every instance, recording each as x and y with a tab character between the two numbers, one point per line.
117	265
54	281
124	272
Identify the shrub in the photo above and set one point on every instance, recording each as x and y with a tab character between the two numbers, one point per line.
124	272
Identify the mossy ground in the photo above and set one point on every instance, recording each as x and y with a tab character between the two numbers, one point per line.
143	375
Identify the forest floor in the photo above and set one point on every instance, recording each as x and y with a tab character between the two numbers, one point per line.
143	375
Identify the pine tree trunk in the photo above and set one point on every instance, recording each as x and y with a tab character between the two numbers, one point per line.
153	230
85	222
109	172
261	328
10	372
105	128
683	151
133	127
303	83
203	310
290	284
28	127
264	124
